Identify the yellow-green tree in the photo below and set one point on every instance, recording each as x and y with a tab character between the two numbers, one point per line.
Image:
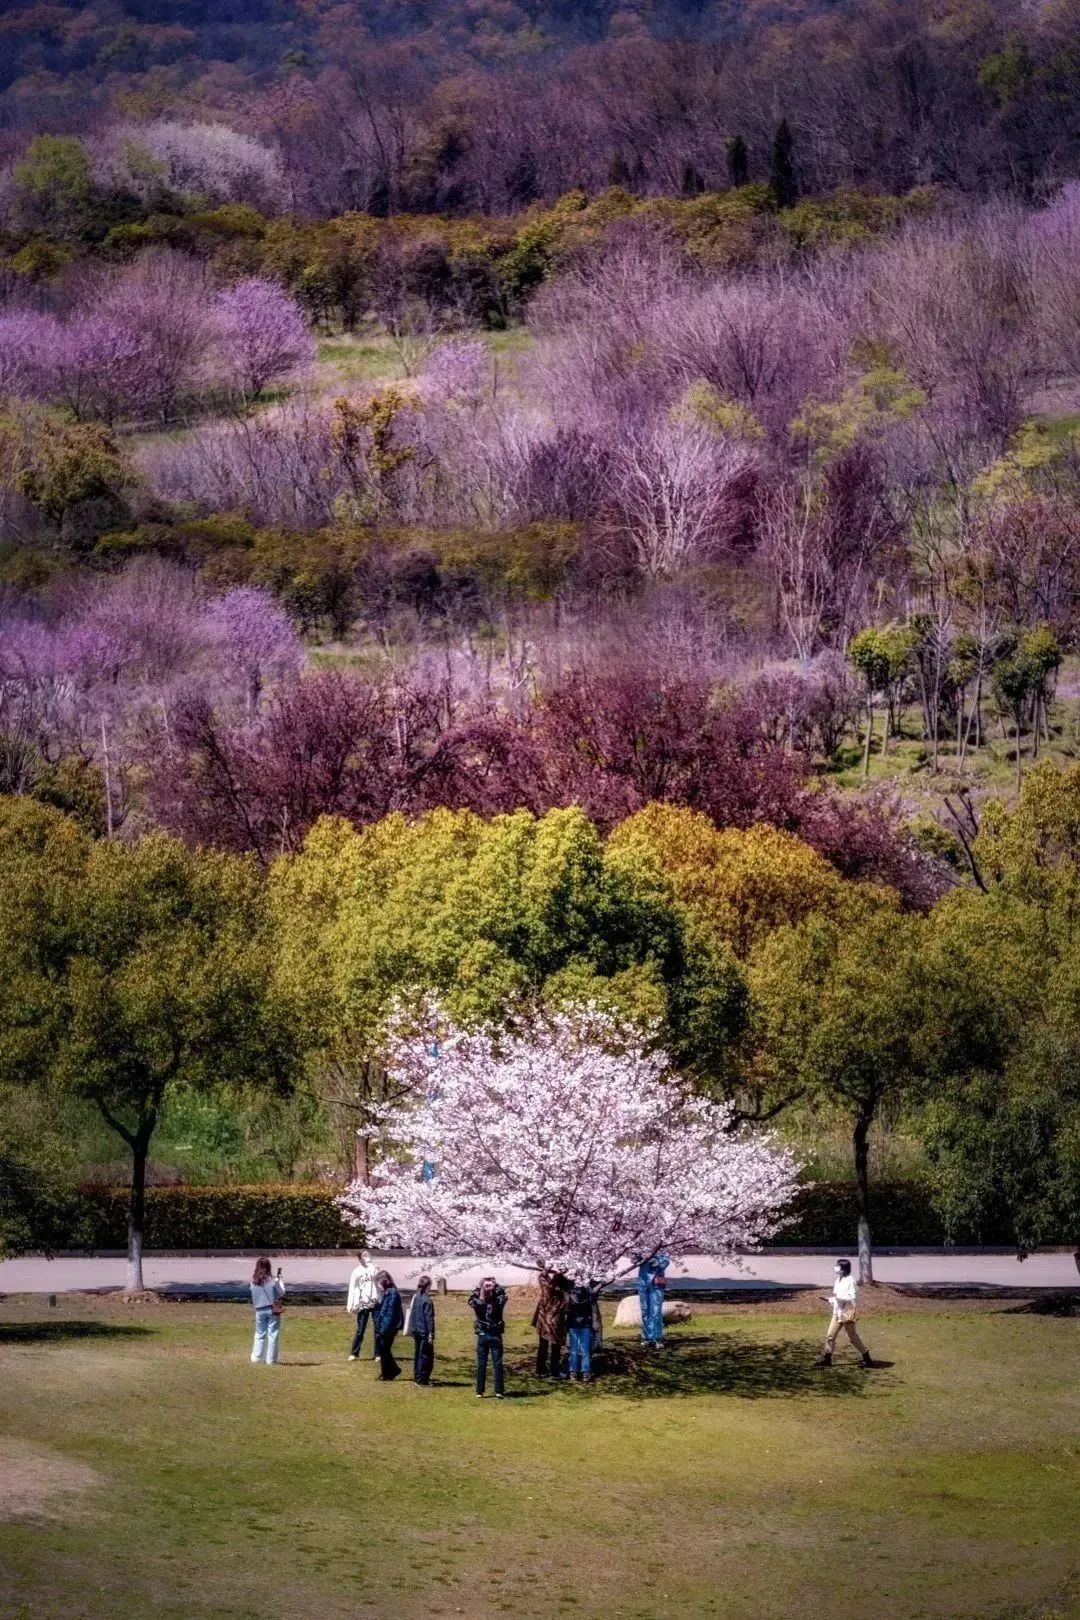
488	915
738	883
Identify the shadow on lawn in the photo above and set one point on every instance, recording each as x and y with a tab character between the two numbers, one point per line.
1063	1303
727	1364
61	1332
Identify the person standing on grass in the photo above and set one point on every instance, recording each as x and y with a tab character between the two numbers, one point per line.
420	1322
549	1320
844	1300
488	1304
650	1286
580	1324
362	1301
389	1321
267	1293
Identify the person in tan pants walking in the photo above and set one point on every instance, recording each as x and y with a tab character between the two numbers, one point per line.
844	1300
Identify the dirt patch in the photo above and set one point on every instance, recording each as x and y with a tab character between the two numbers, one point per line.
36	1483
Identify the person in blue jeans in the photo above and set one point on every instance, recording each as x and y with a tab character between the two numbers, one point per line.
420	1322
488	1304
267	1292
389	1321
650	1287
580	1331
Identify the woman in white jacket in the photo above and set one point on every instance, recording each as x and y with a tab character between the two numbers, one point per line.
844	1300
267	1293
363	1297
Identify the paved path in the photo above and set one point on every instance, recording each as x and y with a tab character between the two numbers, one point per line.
228	1276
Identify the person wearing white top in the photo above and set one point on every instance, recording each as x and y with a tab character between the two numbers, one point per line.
363	1297
267	1292
844	1300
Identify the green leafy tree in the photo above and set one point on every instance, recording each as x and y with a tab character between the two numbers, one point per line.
836	1019
1002	1115
130	971
72	472
488	915
869	655
54	183
1021	681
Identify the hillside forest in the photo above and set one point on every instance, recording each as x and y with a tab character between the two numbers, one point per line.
534	505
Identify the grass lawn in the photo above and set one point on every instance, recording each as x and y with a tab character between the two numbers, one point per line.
147	1468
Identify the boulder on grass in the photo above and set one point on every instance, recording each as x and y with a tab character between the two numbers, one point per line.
628	1313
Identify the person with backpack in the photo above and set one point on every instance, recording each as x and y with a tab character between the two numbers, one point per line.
488	1304
580	1324
549	1320
267	1296
420	1322
389	1321
844	1300
362	1301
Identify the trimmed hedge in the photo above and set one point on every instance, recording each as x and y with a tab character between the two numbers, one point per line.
826	1216
294	1217
267	1217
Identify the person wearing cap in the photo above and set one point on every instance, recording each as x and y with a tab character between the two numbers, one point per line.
844	1300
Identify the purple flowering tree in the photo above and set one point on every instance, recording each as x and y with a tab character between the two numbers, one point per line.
253	640
262	335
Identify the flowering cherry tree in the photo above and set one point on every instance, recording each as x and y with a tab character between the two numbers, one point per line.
261	334
565	1144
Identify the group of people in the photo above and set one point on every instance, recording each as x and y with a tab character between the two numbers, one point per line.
567	1320
374	1297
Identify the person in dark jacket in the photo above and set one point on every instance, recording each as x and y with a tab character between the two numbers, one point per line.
420	1322
549	1320
488	1304
580	1327
389	1320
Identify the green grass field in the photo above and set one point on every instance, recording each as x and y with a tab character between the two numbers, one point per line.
147	1468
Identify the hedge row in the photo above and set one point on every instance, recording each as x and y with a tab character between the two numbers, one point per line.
826	1216
285	1217
292	1217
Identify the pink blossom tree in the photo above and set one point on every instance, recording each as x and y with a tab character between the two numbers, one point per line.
263	338
569	1144
253	640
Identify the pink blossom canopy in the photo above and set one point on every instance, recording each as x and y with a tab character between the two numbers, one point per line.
567	1146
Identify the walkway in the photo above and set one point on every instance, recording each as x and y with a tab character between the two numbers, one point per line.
225	1276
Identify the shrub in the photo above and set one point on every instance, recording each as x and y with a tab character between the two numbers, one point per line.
825	1216
273	1218
266	1217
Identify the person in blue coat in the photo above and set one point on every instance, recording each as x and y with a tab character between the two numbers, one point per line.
389	1321
650	1287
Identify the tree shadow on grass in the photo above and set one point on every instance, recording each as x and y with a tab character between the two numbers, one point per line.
1065	1303
729	1364
62	1332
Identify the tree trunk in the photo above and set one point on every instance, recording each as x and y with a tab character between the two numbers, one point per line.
137	1212
869	739
363	1162
861	1145
1019	764
106	769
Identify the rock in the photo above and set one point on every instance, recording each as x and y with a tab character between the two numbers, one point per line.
628	1313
